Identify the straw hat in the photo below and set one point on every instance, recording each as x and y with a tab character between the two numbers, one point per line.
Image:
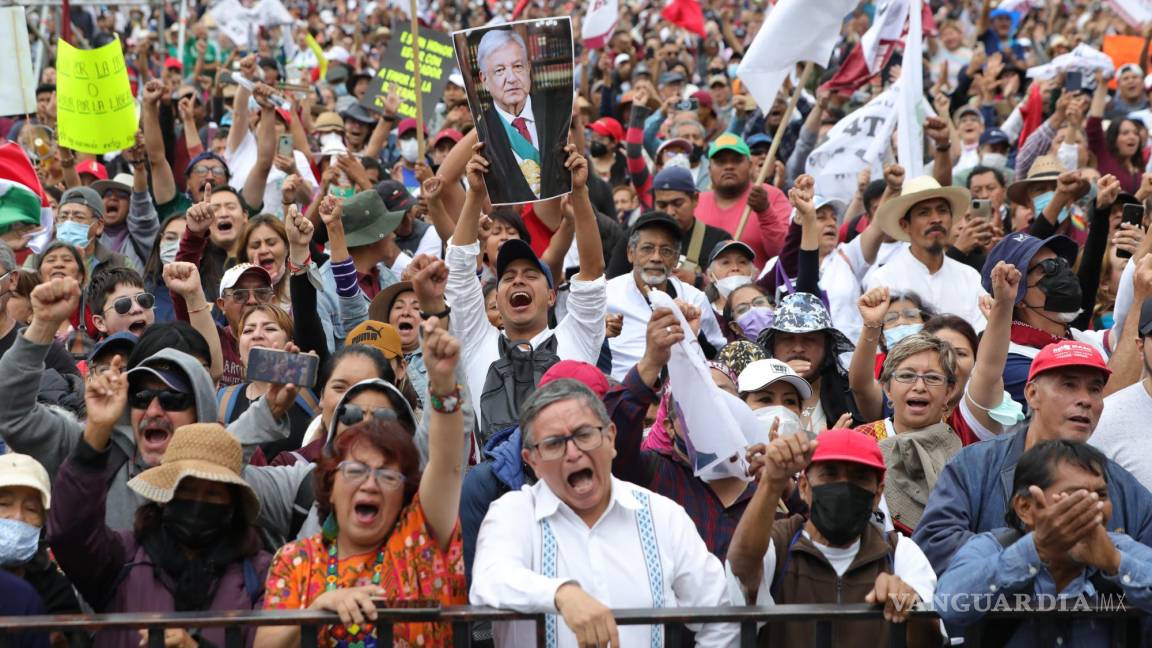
202	450
918	190
1046	168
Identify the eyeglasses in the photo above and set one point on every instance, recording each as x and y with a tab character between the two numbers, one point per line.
219	172
124	305
351	414
761	301
170	399
586	438
1051	267
666	252
907	313
356	472
910	378
244	295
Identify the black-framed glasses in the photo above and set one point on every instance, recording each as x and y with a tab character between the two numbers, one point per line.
123	306
351	414
761	301
907	313
219	172
931	379
356	472
170	399
243	295
586	438
1051	267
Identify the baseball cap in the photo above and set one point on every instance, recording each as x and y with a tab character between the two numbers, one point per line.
395	195
621	58
405	125
608	127
717	79
657	219
367	219
173	63
671	77
456	79
514	249
84	196
162	368
842	444
21	470
704	98
1068	353
757	140
382	336
92	167
449	134
1130	67
728	142
674	178
994	136
123	341
207	155
967	110
673	141
1018	250
579	371
762	373
232	275
724	246
1146	317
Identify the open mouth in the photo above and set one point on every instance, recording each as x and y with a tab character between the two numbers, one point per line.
404	326
155	438
581	481
520	299
917	405
58	274
224	226
268	263
137	327
365	514
1080	420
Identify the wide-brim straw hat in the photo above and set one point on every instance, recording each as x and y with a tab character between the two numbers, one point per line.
202	450
914	191
1046	168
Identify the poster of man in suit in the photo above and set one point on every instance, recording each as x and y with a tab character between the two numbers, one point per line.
519	81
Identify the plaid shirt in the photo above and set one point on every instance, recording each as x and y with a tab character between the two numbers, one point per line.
667	474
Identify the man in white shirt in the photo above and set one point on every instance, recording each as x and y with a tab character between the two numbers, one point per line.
580	543
923	216
653	251
1121	434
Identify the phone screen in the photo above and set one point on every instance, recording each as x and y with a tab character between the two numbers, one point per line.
281	367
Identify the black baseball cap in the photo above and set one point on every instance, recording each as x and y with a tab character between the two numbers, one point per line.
514	249
724	246
395	195
657	219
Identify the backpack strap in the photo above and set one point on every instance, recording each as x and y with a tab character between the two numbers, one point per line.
226	398
302	506
253	584
696	242
306	399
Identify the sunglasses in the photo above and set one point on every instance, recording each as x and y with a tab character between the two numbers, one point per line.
1051	267
352	414
170	399
124	305
242	295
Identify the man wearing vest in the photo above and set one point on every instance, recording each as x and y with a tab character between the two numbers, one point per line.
579	543
653	247
836	556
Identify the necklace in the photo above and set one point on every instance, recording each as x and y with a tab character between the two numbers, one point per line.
355	635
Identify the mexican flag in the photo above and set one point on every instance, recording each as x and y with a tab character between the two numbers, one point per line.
22	198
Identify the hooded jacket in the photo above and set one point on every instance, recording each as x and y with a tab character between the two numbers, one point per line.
501	472
50	435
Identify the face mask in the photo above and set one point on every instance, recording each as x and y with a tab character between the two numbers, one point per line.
168	250
1040	203
696	155
18	542
677	160
1069	155
409	149
732	67
994	160
726	285
73	233
598	149
1061	293
195	524
789	420
755	320
1008	412
897	333
841	510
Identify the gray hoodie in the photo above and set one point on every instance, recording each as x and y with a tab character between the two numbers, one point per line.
49	434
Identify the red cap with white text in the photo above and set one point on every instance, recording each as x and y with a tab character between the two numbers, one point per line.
843	444
1067	353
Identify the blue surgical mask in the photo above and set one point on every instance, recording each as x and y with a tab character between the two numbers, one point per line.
1007	413
18	542
755	320
1040	203
73	233
897	333
732	67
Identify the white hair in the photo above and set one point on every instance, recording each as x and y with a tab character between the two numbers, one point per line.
494	40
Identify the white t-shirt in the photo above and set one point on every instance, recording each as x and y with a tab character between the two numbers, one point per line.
1121	433
954	288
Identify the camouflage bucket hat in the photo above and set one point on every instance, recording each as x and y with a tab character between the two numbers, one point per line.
803	312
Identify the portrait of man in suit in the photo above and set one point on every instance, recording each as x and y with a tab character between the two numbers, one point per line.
524	110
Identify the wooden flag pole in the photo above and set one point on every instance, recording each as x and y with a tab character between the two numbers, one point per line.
416	76
770	161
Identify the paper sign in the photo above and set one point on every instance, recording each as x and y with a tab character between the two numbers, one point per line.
1123	50
95	111
397	67
20	98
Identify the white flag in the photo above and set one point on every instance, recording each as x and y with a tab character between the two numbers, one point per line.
1084	58
794	31
1136	13
242	24
599	23
858	141
910	123
20	97
888	25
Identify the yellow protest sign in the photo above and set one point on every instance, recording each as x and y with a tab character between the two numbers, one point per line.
95	112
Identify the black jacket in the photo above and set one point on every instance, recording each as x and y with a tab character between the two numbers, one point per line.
505	182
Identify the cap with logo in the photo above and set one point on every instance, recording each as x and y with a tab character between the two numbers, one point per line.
395	195
1068	353
232	275
382	336
729	142
93	168
762	373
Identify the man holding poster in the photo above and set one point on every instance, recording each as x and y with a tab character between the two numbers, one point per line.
522	109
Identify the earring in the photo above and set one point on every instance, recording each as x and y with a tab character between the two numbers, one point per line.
330	528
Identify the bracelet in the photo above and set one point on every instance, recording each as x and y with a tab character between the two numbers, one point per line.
944	148
297	269
207	305
873	326
446	403
442	314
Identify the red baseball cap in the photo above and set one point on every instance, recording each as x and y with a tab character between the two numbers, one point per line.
1067	353
286	115
92	167
608	127
583	372
405	125
843	444
449	134
173	63
704	98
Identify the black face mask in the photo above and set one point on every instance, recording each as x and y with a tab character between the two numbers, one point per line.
195	524
696	155
1060	286
841	511
598	149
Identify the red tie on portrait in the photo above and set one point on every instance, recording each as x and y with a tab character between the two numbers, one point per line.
521	126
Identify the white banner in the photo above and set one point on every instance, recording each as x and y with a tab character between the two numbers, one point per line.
856	142
1136	13
1084	58
20	96
599	23
888	25
241	24
910	123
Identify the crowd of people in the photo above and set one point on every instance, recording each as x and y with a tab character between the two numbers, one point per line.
236	377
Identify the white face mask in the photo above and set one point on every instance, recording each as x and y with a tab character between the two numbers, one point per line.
789	420
726	285
409	149
168	250
996	160
677	160
1069	155
1068	318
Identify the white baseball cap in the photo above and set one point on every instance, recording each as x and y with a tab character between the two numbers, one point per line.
22	470
232	276
762	373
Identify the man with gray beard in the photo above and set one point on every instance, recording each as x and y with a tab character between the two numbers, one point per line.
654	252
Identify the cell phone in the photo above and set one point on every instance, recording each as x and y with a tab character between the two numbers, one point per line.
281	367
284	147
1073	81
981	208
690	103
1133	215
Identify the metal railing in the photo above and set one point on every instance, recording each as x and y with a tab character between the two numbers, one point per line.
462	619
